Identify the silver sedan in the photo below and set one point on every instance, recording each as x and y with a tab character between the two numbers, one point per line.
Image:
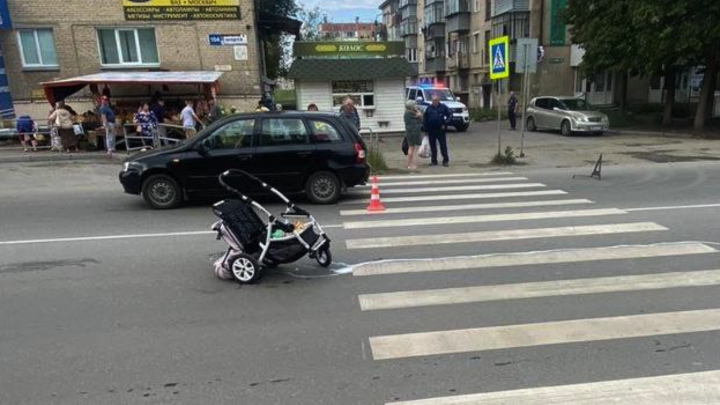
566	114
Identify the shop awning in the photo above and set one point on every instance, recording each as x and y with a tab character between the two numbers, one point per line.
61	89
350	69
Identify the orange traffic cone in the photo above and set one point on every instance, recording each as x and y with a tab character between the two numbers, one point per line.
375	204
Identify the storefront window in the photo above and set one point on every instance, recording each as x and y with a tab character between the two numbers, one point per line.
360	91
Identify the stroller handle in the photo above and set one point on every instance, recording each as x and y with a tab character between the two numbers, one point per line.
264	185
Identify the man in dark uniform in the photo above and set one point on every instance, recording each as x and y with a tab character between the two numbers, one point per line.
513	105
436	118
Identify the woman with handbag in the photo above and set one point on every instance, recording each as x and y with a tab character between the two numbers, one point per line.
413	132
63	120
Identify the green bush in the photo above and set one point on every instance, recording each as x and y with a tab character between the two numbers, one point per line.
376	160
486	114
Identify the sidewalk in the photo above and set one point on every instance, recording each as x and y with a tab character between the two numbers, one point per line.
474	149
16	155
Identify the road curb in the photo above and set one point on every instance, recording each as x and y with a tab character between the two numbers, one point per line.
32	158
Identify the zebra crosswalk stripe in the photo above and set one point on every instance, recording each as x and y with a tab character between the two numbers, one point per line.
413	182
470	219
531	258
541	334
700	388
455	197
504	235
463	295
455	188
468	207
444	176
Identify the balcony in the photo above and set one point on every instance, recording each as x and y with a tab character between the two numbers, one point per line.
408	28
409	13
435	13
407	3
459	23
458	61
435	65
501	7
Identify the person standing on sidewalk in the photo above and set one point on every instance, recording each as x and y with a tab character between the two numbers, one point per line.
350	113
108	119
513	107
437	115
413	131
64	120
189	119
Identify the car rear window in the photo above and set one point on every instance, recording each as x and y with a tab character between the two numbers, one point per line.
324	132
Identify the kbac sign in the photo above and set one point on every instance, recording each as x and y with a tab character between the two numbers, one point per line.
181	10
348	49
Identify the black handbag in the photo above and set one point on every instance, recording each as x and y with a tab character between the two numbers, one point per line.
405	146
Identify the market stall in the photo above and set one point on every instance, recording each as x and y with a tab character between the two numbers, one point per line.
128	90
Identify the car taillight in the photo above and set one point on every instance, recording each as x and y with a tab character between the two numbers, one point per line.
359	153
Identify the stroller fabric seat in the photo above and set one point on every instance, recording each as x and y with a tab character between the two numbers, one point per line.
243	221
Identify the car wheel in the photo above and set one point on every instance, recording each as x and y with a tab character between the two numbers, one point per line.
565	128
245	269
462	127
323	188
162	192
531	124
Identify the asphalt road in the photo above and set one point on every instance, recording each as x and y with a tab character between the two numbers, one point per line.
97	308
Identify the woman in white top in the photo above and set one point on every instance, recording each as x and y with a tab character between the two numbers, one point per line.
63	120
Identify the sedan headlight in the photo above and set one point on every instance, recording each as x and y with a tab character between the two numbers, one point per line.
131	165
126	166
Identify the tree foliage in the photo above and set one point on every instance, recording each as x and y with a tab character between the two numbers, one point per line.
311	20
271	38
648	37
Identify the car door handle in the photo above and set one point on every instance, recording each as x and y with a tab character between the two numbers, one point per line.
304	154
245	157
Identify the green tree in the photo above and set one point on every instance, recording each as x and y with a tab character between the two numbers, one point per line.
269	13
311	20
648	37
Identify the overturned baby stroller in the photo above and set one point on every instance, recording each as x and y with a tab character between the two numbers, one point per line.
254	243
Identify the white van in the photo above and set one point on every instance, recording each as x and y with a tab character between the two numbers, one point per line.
461	116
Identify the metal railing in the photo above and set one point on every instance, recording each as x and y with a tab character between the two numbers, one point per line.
159	137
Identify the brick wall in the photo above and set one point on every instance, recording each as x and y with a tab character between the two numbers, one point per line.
181	45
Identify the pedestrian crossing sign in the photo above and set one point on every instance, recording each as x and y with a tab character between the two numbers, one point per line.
499	64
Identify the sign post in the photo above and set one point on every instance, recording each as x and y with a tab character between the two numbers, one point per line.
499	69
527	63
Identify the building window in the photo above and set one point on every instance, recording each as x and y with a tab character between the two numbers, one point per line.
557	24
488	10
360	91
486	54
128	47
476	6
37	48
412	55
476	42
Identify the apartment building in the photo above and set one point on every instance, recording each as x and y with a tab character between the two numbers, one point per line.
348	31
447	39
52	40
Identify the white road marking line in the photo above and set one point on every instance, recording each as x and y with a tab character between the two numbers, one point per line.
447	182
674	207
504	235
699	388
454	188
107	237
541	334
463	295
444	176
453	197
531	258
468	207
472	219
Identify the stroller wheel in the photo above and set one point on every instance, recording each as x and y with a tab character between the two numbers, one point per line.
245	269
324	257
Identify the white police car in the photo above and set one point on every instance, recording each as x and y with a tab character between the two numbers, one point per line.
461	115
